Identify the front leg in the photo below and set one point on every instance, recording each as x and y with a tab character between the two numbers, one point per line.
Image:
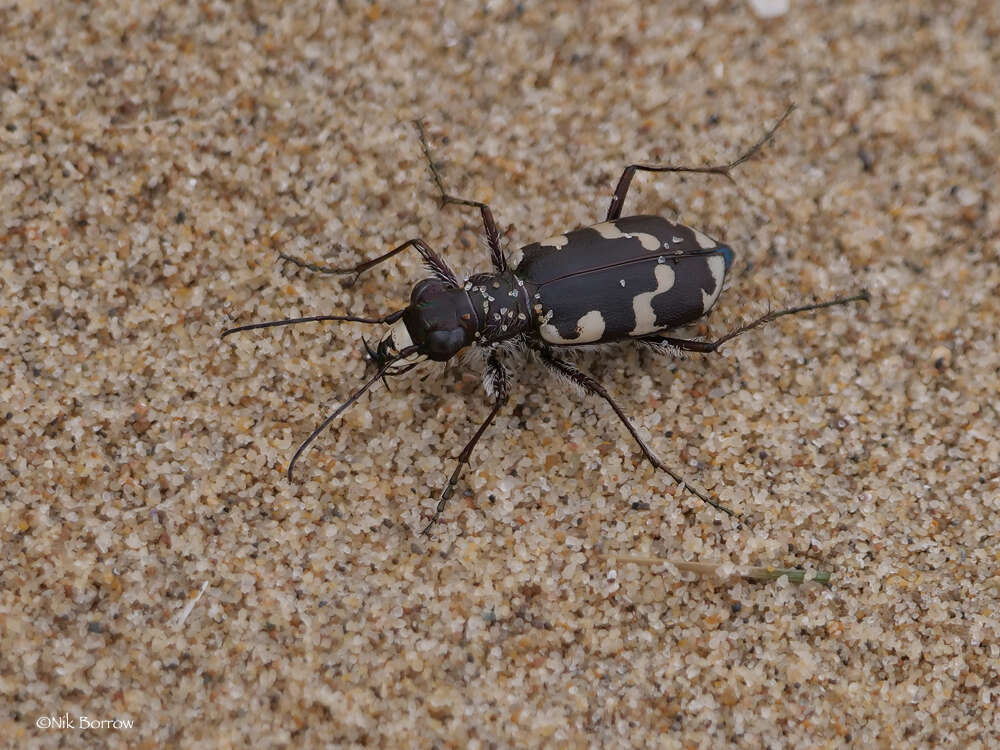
590	385
434	262
496	380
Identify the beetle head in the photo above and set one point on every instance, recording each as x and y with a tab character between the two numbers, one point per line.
439	320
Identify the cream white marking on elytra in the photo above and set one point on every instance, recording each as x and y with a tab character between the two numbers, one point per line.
704	240
642	304
557	242
717	267
648	241
610	231
400	336
588	328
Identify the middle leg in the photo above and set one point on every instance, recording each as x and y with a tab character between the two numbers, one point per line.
489	224
589	384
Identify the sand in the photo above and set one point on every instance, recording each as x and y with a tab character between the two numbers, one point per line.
157	566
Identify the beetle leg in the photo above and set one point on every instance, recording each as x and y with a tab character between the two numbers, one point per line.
711	346
437	265
618	199
579	377
496	378
489	223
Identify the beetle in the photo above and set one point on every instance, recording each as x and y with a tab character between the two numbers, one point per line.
632	278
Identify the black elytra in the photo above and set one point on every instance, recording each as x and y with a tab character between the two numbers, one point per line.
632	278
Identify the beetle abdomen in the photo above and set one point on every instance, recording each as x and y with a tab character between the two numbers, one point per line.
624	278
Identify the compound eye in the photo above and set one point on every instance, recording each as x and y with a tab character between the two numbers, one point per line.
425	290
443	345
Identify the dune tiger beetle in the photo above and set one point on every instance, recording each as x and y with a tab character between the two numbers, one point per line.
632	278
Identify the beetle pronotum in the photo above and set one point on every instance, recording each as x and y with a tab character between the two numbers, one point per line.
631	278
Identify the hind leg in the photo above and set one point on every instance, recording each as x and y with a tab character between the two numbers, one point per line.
706	347
618	199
